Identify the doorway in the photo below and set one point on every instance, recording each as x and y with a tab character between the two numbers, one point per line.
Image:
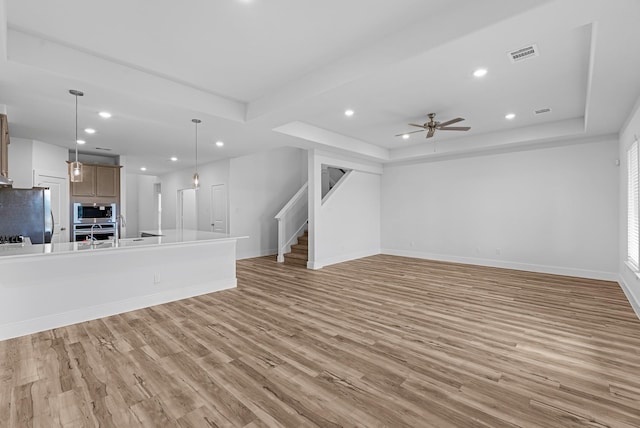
187	212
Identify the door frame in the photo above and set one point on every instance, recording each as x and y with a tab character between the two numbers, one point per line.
180	207
226	206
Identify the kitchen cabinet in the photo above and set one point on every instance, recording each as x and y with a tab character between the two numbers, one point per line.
107	181
101	181
4	146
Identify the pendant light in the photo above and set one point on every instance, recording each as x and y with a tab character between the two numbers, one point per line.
196	177
75	168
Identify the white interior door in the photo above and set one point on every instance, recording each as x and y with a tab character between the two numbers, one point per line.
219	208
59	203
187	209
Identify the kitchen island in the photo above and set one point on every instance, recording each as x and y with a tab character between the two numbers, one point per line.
51	285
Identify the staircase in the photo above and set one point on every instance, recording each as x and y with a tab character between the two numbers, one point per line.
299	252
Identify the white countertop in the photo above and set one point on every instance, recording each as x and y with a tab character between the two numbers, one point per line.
164	237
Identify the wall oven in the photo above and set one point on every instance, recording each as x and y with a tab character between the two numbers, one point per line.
94	220
88	213
101	231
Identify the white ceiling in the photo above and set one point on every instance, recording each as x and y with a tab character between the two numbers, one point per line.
266	73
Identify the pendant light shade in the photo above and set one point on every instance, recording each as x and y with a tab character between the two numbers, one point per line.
196	177
75	168
75	171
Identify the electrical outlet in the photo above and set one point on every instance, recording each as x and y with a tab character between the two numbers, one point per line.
498	251
412	244
156	278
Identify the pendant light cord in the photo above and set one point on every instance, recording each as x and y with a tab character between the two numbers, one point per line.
76	128
196	147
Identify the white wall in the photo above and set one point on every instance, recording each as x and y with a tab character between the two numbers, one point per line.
147	205
141	206
27	156
549	210
21	163
346	225
210	174
629	281
131	208
50	158
259	186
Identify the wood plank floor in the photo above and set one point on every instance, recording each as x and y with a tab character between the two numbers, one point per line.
381	341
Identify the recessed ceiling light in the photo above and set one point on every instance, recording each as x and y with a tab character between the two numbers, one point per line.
174	159
349	113
510	116
143	168
105	114
480	72
219	143
80	141
405	136
90	131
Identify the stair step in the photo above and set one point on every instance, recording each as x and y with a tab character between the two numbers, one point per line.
300	248
295	262
300	256
304	239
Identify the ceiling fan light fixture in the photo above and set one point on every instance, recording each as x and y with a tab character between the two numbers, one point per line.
349	112
432	125
510	116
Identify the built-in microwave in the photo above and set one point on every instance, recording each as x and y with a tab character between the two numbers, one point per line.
94	213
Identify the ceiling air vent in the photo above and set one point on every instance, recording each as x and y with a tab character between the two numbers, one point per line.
530	51
542	111
103	148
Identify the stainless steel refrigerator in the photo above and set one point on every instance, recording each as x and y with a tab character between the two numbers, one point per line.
26	212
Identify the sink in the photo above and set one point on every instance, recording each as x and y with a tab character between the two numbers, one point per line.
96	244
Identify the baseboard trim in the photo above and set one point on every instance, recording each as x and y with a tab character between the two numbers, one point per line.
319	264
554	270
631	297
257	253
48	322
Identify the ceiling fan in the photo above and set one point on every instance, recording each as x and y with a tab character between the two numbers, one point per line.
432	125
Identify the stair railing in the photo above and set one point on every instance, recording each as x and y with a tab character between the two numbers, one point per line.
292	219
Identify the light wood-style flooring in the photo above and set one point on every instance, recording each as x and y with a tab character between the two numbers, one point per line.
381	341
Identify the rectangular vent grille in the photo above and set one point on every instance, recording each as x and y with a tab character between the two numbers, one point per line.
542	110
530	51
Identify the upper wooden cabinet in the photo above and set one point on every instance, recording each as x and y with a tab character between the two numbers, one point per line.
4	146
86	187
107	181
101	181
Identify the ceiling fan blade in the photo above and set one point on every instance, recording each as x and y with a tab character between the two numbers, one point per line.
450	122
431	132
412	132
419	126
456	128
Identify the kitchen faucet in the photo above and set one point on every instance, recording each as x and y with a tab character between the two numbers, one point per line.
92	239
